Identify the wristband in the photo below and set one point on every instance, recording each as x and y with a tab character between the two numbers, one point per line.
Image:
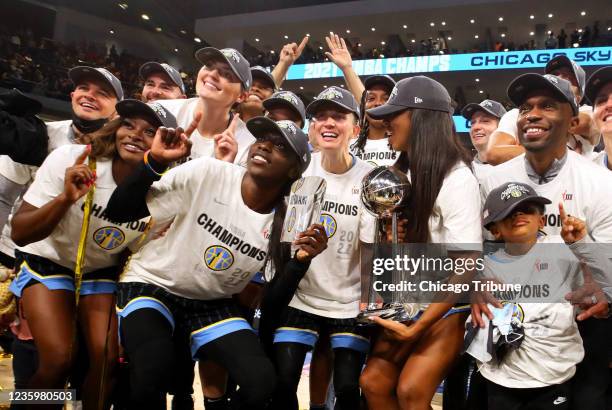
150	167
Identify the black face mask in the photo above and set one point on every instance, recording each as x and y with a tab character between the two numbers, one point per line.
87	126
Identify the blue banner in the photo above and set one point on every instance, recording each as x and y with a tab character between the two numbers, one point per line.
461	124
454	62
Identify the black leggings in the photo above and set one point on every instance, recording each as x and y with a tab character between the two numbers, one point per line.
147	338
289	360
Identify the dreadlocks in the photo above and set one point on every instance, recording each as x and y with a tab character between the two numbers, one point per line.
358	146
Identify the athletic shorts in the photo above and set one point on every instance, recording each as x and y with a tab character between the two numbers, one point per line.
554	397
33	268
203	320
304	328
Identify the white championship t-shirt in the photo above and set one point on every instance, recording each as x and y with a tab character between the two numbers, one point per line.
480	169
59	133
184	110
507	124
601	158
552	345
215	244
106	239
584	188
332	284
377	152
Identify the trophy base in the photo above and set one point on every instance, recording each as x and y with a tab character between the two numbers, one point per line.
395	311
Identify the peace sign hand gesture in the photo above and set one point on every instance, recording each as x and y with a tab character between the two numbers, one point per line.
170	145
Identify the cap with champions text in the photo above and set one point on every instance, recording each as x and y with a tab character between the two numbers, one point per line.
565	61
415	92
490	107
154	67
334	96
295	137
264	75
596	81
504	199
154	111
79	73
239	65
286	99
526	83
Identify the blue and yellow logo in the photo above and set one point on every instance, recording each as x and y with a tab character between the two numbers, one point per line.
329	223
109	237
218	258
291	222
517	311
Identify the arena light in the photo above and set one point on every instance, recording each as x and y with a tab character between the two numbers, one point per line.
197	39
405	26
381	56
286	37
501	19
609	28
575	45
480	92
382	43
342	85
145	16
320	47
432	24
257	40
413	41
176	50
301	87
503	35
583	13
123	6
373	29
472	21
358	44
477	80
348	31
272	51
476	36
579	30
531	17
531	33
183	31
324	86
550	31
506	49
443	23
449	38
111	31
550	15
307	34
158	29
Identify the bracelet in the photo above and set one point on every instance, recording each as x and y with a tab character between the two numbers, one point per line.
149	166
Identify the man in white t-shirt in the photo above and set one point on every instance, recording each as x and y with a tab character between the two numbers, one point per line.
583	137
547	110
484	119
599	93
161	82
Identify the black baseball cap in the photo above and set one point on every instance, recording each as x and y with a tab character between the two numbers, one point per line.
153	110
565	61
289	100
384	80
414	92
239	65
490	107
295	137
596	81
79	73
504	199
154	67
264	75
525	83
334	96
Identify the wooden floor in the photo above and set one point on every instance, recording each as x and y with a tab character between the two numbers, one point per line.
6	383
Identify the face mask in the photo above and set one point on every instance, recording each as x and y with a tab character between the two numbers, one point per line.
87	126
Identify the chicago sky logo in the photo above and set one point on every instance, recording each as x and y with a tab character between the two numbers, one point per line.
329	223
218	258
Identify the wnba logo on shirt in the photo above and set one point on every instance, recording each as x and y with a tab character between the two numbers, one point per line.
109	237
566	196
329	223
218	258
540	266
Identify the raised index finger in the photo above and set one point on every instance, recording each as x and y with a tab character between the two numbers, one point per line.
81	158
234	123
562	213
302	45
194	124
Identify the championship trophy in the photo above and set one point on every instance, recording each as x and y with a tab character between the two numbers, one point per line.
384	191
303	206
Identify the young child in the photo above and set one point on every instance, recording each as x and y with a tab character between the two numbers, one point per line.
535	326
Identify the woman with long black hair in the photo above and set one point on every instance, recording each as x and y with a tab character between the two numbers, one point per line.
47	229
232	219
409	361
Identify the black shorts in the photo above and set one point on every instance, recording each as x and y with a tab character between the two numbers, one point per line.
203	320
304	328
33	268
555	397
